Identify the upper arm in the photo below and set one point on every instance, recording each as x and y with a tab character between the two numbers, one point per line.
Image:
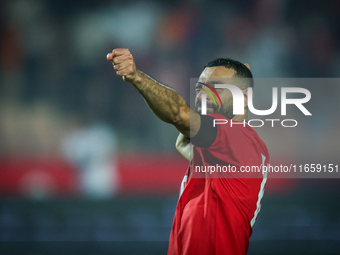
199	128
188	122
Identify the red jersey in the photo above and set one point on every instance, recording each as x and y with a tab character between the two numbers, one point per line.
215	213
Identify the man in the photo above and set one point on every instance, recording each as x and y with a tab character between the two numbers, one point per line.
215	212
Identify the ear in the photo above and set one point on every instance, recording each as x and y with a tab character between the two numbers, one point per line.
247	65
245	93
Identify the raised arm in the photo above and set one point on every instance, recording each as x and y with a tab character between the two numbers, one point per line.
165	102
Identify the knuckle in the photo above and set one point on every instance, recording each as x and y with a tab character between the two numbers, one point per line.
117	51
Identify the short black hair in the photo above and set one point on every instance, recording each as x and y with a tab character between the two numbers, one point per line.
242	71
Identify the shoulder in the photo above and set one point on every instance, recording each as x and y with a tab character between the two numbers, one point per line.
225	124
231	132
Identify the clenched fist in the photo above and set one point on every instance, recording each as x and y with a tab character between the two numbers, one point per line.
124	64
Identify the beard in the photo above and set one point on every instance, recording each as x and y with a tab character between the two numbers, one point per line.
213	108
226	111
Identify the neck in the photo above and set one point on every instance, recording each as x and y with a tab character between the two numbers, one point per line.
241	117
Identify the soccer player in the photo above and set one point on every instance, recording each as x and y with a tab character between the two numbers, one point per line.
215	213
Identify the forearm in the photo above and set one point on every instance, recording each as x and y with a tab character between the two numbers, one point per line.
165	102
184	147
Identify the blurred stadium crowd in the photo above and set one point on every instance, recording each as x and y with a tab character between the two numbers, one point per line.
61	99
55	78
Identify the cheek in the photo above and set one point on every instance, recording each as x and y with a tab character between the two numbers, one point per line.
226	98
227	102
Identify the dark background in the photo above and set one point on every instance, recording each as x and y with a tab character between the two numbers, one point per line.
65	117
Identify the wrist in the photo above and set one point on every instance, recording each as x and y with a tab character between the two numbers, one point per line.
138	78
